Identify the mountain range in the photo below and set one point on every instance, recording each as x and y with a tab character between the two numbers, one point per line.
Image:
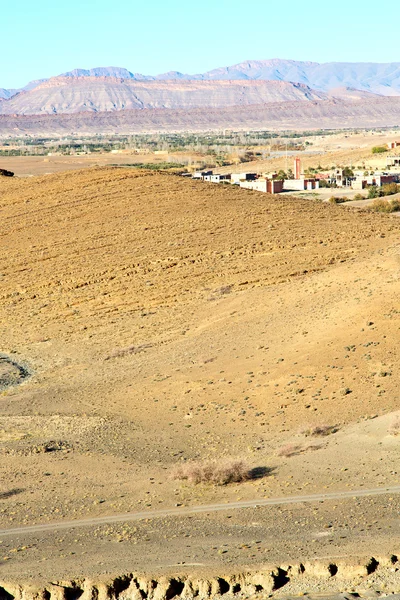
98	94
325	114
378	78
273	92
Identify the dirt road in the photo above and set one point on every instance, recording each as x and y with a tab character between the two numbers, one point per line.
187	510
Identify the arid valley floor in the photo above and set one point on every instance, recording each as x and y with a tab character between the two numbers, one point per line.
154	320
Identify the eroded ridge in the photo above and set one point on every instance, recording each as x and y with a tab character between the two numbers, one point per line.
294	578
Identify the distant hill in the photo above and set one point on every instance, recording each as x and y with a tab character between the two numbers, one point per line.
105	94
329	114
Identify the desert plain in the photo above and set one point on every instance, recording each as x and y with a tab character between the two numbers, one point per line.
148	321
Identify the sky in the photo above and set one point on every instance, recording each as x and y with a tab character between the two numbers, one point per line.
43	38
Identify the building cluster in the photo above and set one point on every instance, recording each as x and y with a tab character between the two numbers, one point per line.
393	161
250	181
337	177
359	180
262	183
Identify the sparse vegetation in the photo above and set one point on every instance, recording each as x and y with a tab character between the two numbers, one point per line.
289	450
161	166
319	430
338	199
216	473
389	189
385	206
373	192
386	190
120	352
379	149
323	183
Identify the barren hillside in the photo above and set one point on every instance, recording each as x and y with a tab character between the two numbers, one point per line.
330	114
104	94
162	320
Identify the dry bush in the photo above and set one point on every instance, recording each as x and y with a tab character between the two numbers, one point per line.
289	450
319	430
233	471
385	206
223	290
338	199
119	352
394	428
220	291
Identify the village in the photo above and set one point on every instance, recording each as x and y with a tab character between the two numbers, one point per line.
299	181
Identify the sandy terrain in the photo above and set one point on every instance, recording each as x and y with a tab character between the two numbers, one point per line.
24	166
165	320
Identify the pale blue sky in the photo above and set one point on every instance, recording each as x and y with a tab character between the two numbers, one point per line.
41	38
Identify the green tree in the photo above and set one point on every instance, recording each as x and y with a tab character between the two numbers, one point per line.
373	192
347	172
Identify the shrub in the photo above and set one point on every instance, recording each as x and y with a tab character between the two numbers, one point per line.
347	172
319	430
233	471
390	188
379	149
395	204
385	206
338	199
359	197
373	192
289	450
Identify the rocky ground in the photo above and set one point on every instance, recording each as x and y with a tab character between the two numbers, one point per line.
161	321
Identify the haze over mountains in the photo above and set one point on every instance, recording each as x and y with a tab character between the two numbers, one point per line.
378	78
343	89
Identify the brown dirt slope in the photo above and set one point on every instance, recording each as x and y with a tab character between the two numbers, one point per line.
163	320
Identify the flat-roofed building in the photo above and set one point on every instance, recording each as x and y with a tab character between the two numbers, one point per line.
236	178
262	184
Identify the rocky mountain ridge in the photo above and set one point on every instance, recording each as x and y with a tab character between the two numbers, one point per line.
106	94
270	93
378	78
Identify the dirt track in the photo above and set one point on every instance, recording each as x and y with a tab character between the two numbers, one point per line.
209	508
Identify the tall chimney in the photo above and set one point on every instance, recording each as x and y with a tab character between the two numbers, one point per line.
297	167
